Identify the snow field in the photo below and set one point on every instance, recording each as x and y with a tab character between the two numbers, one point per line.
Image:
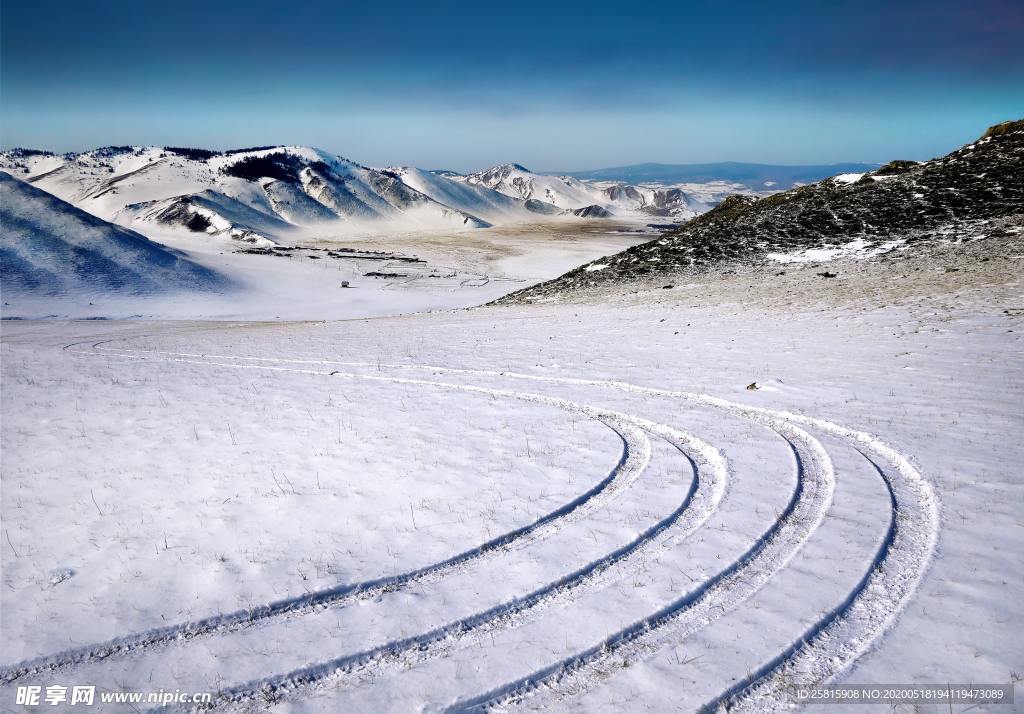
741	542
461	269
184	509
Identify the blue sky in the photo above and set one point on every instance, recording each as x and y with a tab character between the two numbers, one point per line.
552	85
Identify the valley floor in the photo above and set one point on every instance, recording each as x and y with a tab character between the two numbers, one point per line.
576	506
386	273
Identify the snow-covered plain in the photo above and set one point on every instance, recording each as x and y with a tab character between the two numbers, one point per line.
578	507
412	271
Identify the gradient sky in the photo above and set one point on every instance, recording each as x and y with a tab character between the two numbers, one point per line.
552	85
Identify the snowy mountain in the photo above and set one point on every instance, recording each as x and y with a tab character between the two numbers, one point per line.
255	194
972	193
667	201
50	247
617	198
479	200
262	194
519	182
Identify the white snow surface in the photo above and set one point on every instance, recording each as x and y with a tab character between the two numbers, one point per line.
858	248
514	490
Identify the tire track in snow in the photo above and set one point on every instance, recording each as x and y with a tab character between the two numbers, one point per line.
828	647
699	503
833	644
635	455
713	598
703	610
725	591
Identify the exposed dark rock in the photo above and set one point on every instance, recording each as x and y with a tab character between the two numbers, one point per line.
278	165
190	153
198	223
542	207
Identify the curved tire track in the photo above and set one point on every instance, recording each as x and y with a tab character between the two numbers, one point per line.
696	507
713	598
635	455
827	649
832	645
771	552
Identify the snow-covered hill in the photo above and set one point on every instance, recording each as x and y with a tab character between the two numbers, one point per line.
49	247
256	194
261	194
520	182
475	198
569	193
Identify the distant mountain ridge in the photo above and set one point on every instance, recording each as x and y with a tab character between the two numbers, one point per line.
261	194
594	199
973	192
754	176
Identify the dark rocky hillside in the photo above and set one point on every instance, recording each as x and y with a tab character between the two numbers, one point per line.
976	190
